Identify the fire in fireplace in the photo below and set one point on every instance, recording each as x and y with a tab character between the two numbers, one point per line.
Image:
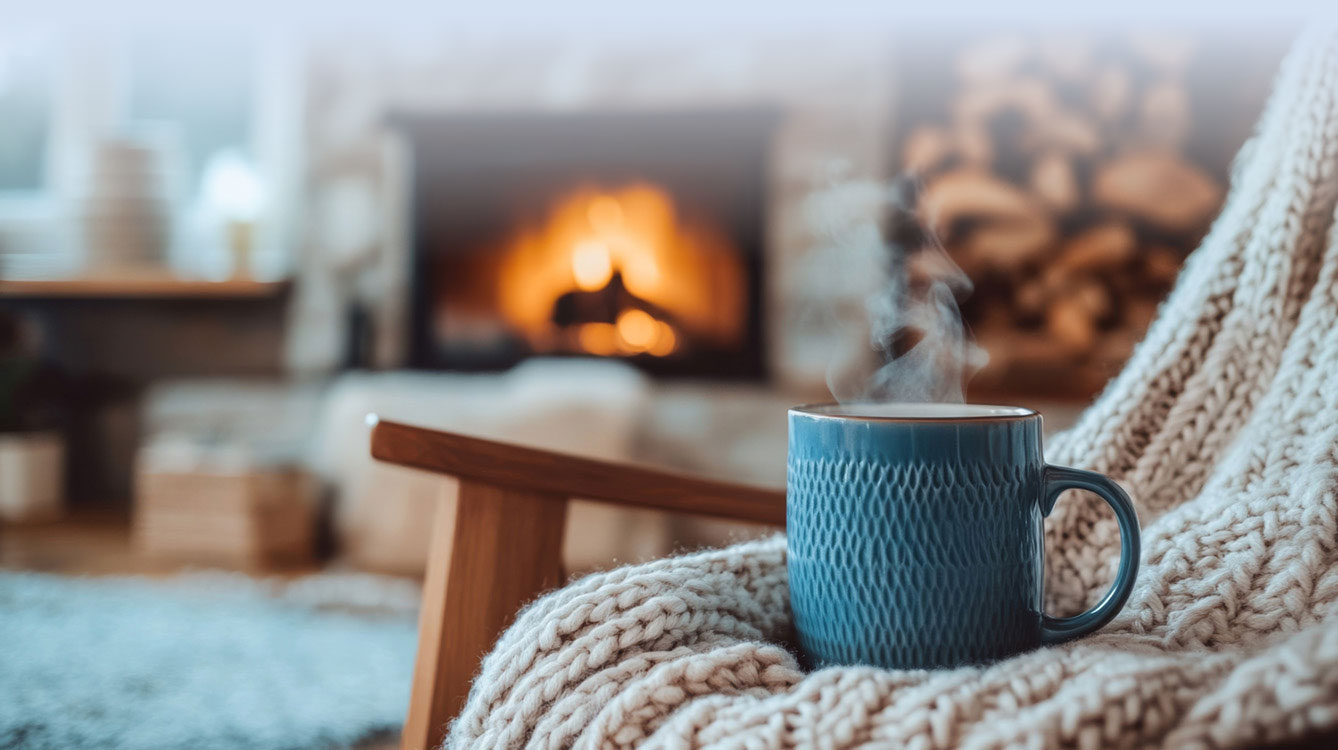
613	272
634	236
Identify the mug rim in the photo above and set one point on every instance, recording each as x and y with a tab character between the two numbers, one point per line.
985	412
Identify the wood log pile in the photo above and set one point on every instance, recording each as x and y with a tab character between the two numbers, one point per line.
1058	181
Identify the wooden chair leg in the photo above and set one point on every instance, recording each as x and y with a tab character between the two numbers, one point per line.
493	549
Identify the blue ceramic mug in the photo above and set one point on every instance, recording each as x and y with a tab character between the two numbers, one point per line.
915	534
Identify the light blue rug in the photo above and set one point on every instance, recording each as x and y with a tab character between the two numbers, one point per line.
201	661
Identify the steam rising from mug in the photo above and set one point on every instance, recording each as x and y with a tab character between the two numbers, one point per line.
913	345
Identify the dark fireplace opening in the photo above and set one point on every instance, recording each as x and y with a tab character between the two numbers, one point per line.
637	236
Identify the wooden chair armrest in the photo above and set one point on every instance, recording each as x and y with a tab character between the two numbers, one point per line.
498	542
506	465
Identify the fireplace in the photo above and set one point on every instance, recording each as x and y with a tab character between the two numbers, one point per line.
637	236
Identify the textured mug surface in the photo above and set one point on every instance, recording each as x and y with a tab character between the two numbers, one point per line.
915	534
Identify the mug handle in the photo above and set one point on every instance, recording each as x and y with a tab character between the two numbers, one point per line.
1056	480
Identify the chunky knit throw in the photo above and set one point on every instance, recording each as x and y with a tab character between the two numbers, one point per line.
1224	429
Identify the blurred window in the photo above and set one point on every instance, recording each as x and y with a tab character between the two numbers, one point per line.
26	113
202	88
197	99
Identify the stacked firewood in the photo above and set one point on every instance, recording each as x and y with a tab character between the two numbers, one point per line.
1058	181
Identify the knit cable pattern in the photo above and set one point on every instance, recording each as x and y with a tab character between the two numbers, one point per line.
1224	429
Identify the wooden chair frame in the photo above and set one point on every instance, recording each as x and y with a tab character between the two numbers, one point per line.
498	542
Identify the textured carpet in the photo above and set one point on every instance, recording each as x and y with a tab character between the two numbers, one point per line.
205	661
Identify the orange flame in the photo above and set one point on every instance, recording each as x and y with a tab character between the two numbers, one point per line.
687	274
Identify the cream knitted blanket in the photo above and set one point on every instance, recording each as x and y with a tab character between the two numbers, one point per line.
1224	429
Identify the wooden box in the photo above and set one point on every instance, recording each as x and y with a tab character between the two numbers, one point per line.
257	518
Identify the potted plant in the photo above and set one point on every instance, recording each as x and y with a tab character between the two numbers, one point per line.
32	455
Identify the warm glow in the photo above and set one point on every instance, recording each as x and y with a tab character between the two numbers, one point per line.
599	338
665	341
591	265
641	273
637	329
669	281
605	214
